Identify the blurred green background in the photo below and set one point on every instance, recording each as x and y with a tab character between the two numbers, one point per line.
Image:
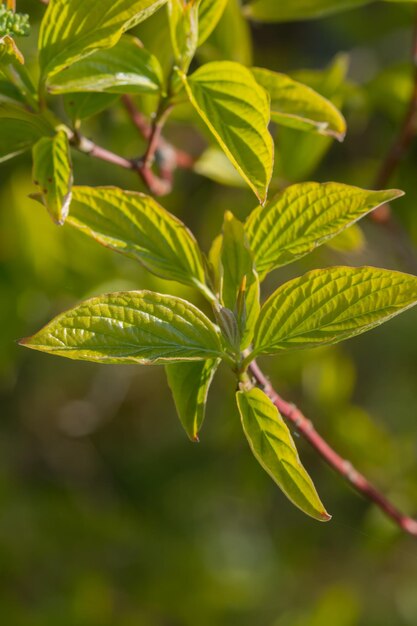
108	515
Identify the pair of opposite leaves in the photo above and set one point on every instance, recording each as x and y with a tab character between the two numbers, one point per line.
322	307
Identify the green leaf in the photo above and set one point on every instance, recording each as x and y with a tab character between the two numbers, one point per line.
80	106
13	67
240	284
327	306
304	216
351	239
20	130
285	11
190	383
231	40
11	94
209	15
136	225
52	173
126	68
183	25
272	444
215	165
236	259
73	29
236	110
299	153
214	263
298	106
130	327
16	136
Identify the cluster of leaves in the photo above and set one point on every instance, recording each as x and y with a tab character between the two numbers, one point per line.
84	50
93	56
320	308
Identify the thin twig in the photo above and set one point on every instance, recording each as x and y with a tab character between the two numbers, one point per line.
90	148
168	156
166	150
137	117
156	134
159	185
305	427
156	185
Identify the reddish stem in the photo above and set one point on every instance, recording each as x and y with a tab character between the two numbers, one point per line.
92	149
182	159
157	186
137	117
305	427
154	138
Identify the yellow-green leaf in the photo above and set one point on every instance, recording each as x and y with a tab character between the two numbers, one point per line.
136	225
190	383
236	110
272	444
330	305
130	327
214	263
231	40
214	164
183	26
73	29
209	14
351	239
304	216
240	284
52	174
126	68
298	106
299	153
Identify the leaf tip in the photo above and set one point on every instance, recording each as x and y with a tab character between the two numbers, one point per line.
325	516
37	197
25	342
30	342
395	193
340	136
